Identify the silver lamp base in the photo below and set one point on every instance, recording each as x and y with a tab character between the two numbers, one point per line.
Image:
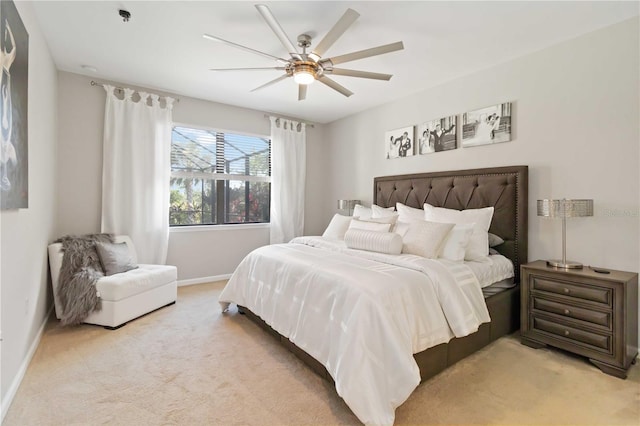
567	264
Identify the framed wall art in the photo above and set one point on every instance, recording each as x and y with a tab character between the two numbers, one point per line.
399	143
437	135
14	56
487	125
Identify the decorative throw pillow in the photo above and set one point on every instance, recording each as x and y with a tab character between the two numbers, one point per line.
401	228
369	226
391	219
337	227
454	246
494	240
381	242
115	258
478	247
425	238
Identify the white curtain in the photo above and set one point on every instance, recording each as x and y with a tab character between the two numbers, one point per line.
136	171
288	170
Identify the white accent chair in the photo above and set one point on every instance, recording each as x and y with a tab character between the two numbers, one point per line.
125	296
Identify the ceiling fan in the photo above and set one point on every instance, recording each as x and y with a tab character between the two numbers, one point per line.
305	67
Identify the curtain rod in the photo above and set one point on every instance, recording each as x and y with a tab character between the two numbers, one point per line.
121	89
285	118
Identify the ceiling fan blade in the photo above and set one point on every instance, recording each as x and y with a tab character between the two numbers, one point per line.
302	92
239	46
277	28
335	86
334	33
282	77
247	69
361	54
361	74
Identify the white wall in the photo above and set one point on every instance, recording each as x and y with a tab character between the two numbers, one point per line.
25	233
207	253
575	125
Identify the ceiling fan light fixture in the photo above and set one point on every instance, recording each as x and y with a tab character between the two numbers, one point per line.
304	74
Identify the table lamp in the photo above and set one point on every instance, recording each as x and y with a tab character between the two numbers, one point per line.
565	208
348	205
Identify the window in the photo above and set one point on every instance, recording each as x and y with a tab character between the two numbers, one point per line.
219	178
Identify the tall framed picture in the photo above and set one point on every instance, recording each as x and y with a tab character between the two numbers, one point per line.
437	135
399	143
487	125
14	56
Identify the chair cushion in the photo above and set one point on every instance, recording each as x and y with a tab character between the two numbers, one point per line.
146	277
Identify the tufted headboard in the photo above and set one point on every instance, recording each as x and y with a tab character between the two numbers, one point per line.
504	188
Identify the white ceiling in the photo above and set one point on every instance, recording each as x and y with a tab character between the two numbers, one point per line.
162	46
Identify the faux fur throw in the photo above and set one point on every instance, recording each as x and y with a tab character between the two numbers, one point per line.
79	273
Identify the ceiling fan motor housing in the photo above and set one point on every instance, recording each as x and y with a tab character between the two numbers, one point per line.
304	40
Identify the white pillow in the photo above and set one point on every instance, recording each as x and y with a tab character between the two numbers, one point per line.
366	213
362	212
392	219
337	227
378	211
369	226
478	247
409	214
425	238
381	242
401	228
456	242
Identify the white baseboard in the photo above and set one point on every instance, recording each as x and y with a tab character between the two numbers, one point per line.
17	380
203	280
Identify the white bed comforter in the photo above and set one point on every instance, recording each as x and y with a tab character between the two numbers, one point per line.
361	314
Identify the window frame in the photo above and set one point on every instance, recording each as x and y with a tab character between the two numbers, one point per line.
220	184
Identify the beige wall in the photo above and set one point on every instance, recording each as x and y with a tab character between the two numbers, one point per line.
25	233
197	254
575	125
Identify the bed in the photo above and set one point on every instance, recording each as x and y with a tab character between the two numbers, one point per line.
503	188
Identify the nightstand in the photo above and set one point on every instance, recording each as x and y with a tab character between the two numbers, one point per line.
581	311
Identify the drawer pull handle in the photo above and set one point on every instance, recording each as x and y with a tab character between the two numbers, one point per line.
567	291
566	312
566	332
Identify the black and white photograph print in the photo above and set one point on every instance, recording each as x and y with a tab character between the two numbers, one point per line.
400	142
14	56
437	135
487	125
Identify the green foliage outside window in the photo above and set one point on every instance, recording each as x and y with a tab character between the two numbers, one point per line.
209	168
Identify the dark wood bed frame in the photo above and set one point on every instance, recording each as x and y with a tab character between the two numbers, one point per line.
504	188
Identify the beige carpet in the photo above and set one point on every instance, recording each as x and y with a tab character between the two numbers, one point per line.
190	365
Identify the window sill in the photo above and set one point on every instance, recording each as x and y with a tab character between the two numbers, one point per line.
207	228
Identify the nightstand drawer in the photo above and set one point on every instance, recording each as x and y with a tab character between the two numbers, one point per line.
594	294
588	315
573	335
